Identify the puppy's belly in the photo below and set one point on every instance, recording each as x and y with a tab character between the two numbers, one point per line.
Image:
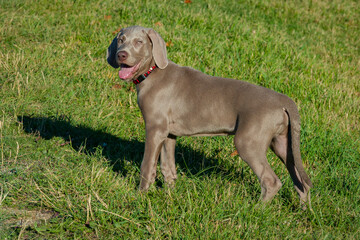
178	129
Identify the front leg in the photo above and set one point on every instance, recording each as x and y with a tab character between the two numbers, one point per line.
167	163
154	140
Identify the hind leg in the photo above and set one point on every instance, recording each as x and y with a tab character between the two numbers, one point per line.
281	148
253	152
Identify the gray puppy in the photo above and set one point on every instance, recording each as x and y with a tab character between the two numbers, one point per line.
180	101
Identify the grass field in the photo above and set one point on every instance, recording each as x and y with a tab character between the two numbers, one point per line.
72	136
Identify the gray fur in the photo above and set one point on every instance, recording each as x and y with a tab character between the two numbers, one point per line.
180	101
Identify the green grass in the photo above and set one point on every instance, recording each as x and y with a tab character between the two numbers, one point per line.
72	136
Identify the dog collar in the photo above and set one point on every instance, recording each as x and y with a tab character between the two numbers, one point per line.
142	77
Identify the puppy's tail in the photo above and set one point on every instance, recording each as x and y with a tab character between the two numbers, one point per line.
294	140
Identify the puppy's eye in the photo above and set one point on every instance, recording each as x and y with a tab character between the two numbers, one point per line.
121	41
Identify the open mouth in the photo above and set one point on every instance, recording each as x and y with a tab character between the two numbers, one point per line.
127	72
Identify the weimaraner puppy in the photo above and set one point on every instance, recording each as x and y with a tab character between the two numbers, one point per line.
180	101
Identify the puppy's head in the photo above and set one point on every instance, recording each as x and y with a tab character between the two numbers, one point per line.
134	49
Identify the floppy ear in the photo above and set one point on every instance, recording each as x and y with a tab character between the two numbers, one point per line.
159	49
111	54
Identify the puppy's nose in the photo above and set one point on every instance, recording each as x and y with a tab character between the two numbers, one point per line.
122	55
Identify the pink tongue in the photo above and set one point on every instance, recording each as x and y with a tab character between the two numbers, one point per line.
126	72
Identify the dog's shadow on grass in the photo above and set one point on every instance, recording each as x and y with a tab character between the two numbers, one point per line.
115	149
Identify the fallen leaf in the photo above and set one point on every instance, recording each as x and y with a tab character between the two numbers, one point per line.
169	44
107	17
116	31
159	24
65	143
234	153
131	89
187	1
117	86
